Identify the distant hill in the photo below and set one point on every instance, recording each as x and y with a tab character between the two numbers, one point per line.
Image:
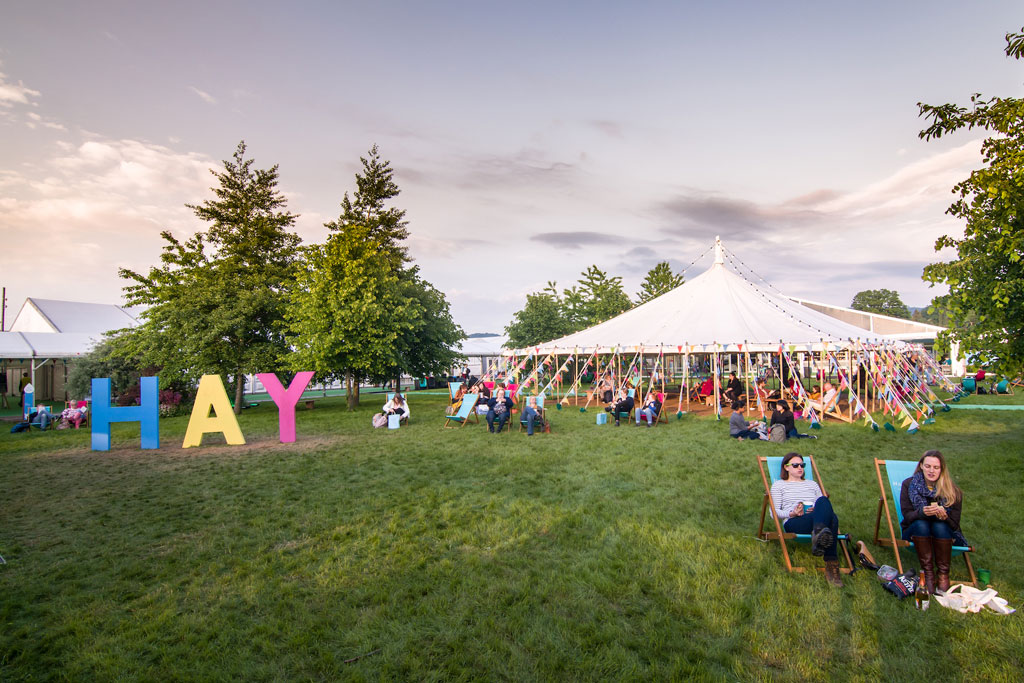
478	335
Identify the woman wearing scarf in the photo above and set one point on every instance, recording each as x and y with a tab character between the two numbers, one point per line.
931	505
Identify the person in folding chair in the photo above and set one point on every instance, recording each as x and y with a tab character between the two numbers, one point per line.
803	509
931	505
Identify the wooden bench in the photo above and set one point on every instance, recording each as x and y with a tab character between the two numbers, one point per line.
310	402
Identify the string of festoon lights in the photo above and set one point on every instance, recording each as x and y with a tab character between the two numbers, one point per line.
757	290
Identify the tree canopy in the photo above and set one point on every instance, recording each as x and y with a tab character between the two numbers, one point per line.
660	279
594	298
360	310
986	280
216	302
883	301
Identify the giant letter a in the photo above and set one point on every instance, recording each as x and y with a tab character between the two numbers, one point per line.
211	394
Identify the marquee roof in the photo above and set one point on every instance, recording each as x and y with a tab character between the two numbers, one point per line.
717	310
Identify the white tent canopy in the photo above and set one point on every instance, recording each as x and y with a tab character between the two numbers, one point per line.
718	310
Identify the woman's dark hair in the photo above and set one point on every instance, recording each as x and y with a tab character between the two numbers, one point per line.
782	404
736	405
785	461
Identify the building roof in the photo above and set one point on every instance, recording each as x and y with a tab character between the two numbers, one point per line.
899	328
717	310
52	315
46	344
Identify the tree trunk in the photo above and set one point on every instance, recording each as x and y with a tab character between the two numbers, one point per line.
239	392
351	397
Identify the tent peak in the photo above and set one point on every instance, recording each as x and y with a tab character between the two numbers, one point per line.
719	254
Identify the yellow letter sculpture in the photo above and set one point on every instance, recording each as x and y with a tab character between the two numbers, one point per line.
211	394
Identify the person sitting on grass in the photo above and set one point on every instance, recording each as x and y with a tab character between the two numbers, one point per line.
801	507
531	415
624	404
931	505
739	428
782	415
651	409
499	407
605	390
397	406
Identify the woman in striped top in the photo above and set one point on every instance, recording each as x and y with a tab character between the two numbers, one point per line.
802	509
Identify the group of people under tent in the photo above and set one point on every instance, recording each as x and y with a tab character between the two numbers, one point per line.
497	404
623	401
929	500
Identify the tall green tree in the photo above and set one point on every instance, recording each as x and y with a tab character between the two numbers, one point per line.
987	277
660	279
600	297
883	301
348	310
216	302
541	320
361	310
375	186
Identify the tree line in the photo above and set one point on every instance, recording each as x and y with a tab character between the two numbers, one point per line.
244	295
596	297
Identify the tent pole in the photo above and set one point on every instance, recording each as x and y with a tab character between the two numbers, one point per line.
746	372
714	371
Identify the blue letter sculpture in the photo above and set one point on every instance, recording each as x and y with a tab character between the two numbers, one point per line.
147	413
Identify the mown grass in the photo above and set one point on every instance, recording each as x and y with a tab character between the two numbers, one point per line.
591	552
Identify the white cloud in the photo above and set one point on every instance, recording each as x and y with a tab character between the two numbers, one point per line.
203	95
15	93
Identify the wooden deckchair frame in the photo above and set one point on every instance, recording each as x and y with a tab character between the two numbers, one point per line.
472	412
782	536
894	542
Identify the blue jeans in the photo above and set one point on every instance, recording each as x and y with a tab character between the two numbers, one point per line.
41	420
649	412
821	514
502	419
746	434
936	528
529	417
793	434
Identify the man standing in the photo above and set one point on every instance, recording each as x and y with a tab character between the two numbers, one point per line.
25	381
3	387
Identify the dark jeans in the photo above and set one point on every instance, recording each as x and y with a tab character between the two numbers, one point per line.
821	514
746	434
927	527
530	416
502	419
793	434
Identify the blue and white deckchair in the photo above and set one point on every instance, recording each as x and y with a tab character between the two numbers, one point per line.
896	472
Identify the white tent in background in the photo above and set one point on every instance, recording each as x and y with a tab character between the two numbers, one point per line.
718	310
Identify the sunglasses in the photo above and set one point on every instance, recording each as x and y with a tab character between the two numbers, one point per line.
796	464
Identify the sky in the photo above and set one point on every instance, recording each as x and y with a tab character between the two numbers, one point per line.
530	140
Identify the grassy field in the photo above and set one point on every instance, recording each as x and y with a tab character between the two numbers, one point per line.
591	552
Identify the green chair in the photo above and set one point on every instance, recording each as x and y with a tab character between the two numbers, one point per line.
540	411
969	385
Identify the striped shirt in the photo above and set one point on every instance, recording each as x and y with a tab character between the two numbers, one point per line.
786	493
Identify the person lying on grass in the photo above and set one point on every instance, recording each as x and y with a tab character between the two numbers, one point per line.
931	505
802	509
739	428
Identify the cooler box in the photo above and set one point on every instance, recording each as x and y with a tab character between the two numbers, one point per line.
602	418
394	421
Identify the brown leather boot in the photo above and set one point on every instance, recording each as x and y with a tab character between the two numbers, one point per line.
943	551
925	554
832	574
